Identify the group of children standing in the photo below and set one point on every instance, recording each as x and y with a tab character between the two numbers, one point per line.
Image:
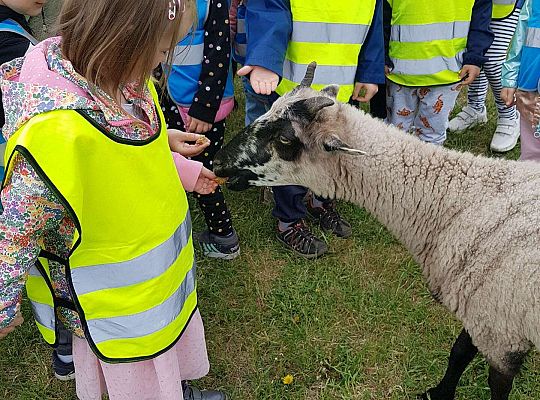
84	103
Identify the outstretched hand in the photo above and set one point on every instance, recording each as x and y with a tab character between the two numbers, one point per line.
14	324
206	183
262	80
364	92
187	144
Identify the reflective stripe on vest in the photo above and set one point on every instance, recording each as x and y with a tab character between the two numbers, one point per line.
240	39
427	43
533	37
137	249
188	58
41	299
503	8
330	33
10	25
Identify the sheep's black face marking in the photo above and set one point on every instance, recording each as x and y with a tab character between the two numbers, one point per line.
287	145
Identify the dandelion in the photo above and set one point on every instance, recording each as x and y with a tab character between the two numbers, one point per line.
287	380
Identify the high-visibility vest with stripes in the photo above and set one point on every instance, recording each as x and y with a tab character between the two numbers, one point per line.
427	41
188	60
239	45
9	25
331	33
503	8
529	69
131	268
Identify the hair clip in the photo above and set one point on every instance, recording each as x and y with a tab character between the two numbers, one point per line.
172	10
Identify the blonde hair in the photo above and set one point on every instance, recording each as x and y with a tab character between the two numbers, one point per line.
110	41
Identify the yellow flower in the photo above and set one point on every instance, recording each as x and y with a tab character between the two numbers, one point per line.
287	380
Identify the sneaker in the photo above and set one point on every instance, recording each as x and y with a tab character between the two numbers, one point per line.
62	371
302	241
214	246
192	393
506	135
467	118
329	219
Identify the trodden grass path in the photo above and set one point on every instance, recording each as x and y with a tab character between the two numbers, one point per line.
356	324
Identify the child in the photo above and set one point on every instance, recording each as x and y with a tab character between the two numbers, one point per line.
434	51
282	38
503	24
200	97
92	190
521	71
15	40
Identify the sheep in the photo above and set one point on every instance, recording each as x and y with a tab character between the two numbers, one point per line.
472	223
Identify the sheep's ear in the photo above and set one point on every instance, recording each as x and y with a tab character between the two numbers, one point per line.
331	90
308	108
336	144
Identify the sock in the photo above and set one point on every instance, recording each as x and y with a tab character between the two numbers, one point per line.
315	202
65	359
283	226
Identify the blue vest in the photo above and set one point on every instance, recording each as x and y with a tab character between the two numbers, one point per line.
184	76
8	25
239	45
529	70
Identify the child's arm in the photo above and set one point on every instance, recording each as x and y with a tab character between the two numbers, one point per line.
215	68
479	39
194	177
268	29
30	209
510	68
370	70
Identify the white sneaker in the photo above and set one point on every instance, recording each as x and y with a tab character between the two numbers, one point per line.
506	135
467	118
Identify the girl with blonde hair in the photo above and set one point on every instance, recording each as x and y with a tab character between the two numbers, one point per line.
95	221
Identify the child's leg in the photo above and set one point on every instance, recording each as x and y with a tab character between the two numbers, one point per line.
477	93
504	31
436	103
402	103
216	213
528	105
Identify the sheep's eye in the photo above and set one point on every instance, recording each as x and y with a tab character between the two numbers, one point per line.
284	140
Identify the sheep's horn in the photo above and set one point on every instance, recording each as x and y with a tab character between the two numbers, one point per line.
310	73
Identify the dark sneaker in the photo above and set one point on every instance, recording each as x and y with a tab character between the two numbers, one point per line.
62	371
214	246
192	393
302	241
329	219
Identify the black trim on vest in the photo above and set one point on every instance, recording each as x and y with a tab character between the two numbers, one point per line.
28	156
117	139
53	257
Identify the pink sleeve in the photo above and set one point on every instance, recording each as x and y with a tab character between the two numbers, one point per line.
188	171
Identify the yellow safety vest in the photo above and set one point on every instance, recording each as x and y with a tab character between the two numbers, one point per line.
428	40
331	33
131	266
503	8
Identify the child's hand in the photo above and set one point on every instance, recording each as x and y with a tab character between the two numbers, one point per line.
363	92
11	327
508	95
262	80
469	73
197	126
178	142
206	183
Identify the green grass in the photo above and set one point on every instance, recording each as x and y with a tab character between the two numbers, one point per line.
356	324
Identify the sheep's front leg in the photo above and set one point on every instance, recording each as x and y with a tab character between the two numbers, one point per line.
463	352
500	383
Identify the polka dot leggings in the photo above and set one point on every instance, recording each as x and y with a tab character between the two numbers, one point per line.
216	213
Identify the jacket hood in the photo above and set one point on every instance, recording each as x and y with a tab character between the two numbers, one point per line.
44	81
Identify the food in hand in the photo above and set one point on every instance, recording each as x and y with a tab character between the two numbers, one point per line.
202	140
220	181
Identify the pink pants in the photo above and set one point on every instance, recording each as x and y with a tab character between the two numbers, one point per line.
528	104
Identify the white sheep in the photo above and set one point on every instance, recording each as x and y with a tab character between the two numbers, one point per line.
472	223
